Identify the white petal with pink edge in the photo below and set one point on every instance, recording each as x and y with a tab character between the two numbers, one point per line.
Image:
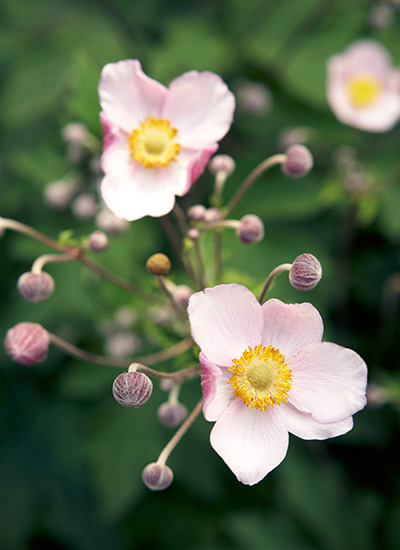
137	193
201	107
252	443
224	321
289	327
188	167
303	425
329	382
128	96
218	394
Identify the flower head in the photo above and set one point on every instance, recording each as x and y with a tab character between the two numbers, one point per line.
363	88
265	373
157	140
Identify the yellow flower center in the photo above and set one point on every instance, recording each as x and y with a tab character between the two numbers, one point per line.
261	377
154	143
363	90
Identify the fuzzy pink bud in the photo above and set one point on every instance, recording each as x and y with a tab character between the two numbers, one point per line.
196	213
132	389
84	207
171	415
298	161
181	294
212	215
305	273
157	477
98	242
193	234
58	194
222	163
35	287
27	343
106	221
251	229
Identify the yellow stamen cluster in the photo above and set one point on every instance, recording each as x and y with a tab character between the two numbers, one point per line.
363	90
261	377
154	143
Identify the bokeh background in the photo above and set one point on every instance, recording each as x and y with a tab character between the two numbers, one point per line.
70	457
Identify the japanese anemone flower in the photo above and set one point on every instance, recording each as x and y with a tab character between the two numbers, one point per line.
363	88
157	140
265	373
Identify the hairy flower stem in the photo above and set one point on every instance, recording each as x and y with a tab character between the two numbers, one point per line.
162	459
177	245
41	261
274	273
80	256
218	255
200	265
119	362
251	178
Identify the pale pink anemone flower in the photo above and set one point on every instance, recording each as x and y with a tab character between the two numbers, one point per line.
363	88
265	373
157	140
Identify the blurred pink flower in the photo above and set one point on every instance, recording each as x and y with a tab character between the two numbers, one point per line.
265	373
363	88
157	140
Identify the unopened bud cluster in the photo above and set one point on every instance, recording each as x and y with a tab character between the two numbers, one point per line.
250	230
27	343
35	287
298	161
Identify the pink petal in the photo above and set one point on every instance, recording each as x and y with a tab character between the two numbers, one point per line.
224	321
110	132
217	393
289	327
251	442
329	382
138	192
305	426
189	166
128	96
201	107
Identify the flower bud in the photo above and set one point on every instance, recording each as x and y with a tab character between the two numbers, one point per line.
196	213
212	215
58	194
157	477
222	163
254	97
121	344
27	343
98	241
84	207
75	132
181	294
35	287
106	221
132	389
298	161
251	229
158	264
193	234
305	273
171	415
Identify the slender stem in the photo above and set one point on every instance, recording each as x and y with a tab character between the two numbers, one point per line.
163	286
220	179
162	459
200	265
123	283
121	362
220	224
274	273
218	255
22	228
170	231
41	261
116	280
251	178
180	218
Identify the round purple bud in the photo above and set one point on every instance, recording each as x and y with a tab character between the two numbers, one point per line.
27	343
305	273
106	221
212	215
132	389
298	161
171	415
222	163
98	241
84	207
251	229
157	477
35	287
196	213
193	234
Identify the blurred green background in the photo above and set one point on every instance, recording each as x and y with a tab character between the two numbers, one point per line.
70	457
